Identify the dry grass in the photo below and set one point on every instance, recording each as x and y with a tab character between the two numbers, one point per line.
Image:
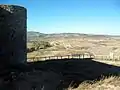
111	83
63	46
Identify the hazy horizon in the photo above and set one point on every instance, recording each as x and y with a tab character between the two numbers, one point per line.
75	33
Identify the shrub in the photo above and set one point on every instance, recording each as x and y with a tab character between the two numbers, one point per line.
41	45
30	49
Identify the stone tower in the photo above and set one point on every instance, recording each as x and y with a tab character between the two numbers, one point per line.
12	35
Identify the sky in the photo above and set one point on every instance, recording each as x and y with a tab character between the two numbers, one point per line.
71	16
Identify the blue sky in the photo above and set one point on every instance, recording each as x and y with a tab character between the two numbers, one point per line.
73	16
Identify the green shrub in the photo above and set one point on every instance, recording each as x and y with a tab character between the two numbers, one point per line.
41	45
30	49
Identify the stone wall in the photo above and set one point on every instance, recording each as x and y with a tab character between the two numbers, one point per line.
12	35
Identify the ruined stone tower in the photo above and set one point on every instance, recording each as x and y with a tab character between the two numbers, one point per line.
12	35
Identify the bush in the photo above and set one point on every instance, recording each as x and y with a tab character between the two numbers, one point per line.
30	49
41	45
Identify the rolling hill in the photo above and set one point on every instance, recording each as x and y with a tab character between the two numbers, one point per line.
31	35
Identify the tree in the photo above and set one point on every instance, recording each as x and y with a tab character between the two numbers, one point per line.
41	45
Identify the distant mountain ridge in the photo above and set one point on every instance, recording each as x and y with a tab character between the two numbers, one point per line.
32	35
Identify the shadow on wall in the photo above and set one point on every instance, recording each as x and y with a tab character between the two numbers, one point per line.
76	70
12	35
4	38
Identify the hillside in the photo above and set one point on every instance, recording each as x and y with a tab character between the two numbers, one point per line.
31	35
72	43
84	74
